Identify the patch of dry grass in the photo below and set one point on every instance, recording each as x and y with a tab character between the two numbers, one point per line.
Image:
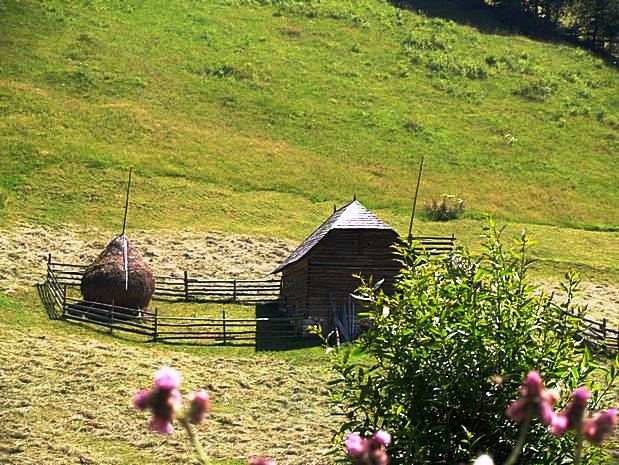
66	399
24	249
211	254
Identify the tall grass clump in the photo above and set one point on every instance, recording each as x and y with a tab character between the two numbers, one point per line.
538	90
448	208
447	349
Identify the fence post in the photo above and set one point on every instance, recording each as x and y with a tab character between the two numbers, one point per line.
64	299
110	316
49	258
223	312
186	282
604	330
156	328
234	290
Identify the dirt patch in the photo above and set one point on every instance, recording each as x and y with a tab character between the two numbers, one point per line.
24	249
66	399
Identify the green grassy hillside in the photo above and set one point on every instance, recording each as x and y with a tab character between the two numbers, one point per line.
257	116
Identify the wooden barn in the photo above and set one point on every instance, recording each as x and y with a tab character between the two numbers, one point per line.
320	272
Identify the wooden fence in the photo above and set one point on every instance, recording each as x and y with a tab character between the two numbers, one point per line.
433	245
185	287
597	334
224	330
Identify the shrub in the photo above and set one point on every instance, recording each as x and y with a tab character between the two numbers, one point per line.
446	351
448	208
425	42
538	90
449	65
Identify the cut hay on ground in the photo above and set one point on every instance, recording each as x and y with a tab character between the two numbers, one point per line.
66	399
23	251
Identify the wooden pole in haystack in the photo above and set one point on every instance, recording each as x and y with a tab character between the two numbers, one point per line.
119	273
125	258
410	226
127	202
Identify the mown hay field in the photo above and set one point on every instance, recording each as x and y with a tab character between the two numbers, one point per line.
67	396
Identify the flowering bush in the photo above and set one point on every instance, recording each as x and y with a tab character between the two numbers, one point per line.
446	350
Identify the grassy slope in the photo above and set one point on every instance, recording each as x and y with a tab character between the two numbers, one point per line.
252	118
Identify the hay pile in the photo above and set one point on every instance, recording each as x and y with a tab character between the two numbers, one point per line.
119	276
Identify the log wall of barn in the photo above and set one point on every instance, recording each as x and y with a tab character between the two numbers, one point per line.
330	282
295	288
340	256
367	242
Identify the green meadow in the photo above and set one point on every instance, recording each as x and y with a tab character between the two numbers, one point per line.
257	117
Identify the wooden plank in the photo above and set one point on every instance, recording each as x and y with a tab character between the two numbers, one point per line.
104	317
189	325
106	325
104	307
68	265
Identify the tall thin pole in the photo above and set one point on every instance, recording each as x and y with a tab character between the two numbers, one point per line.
410	226
127	201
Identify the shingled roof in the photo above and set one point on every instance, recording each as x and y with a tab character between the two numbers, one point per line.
351	216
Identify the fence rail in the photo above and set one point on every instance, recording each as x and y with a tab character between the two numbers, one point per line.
597	333
185	287
432	245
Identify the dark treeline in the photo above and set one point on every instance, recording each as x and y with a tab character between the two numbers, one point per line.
595	22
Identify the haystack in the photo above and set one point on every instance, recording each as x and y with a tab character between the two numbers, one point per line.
119	276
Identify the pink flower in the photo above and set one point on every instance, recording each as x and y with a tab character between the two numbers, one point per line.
368	451
355	444
560	424
141	399
167	378
163	399
260	461
533	384
535	401
599	426
572	415
379	457
382	437
161	425
199	404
